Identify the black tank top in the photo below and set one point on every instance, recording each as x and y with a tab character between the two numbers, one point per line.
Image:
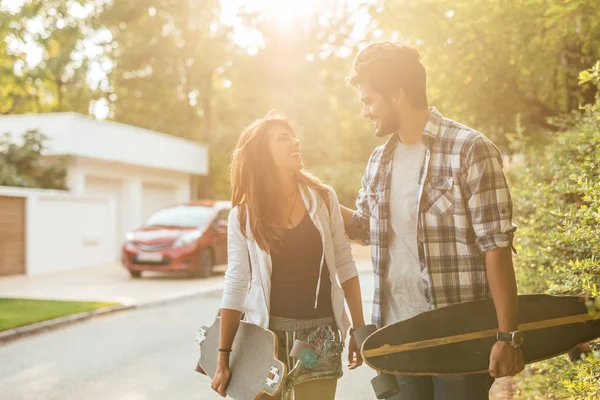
296	265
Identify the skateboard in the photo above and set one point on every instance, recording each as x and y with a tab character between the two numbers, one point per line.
456	340
254	366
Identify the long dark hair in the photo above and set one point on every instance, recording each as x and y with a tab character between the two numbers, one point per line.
255	184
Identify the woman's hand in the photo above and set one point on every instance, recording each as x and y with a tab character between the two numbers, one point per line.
354	358
221	380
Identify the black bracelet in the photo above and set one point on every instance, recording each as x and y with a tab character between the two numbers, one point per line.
225	350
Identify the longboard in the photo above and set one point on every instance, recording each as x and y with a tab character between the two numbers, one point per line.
456	340
254	366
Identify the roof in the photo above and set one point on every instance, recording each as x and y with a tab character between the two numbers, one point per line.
75	134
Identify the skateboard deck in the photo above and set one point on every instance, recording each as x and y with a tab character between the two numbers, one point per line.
254	366
457	340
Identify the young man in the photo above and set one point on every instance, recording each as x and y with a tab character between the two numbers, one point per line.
437	211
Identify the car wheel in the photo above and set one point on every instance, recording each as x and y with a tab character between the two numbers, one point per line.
135	274
206	263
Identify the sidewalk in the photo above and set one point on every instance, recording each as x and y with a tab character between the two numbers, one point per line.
111	282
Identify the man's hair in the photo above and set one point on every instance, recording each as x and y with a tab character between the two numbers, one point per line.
386	67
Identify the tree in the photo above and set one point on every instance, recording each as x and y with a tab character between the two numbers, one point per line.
24	165
57	81
490	62
165	54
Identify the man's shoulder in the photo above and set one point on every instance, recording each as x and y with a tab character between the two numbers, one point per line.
463	139
460	133
376	154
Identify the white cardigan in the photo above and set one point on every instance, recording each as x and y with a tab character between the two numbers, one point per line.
253	298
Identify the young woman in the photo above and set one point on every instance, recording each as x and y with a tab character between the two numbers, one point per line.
290	265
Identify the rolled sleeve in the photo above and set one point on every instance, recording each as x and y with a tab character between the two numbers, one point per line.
344	261
237	276
359	225
488	197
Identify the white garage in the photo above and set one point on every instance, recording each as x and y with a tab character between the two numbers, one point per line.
155	197
139	170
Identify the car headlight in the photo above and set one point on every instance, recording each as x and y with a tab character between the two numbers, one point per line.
187	238
129	237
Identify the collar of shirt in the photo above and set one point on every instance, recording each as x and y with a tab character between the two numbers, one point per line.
430	133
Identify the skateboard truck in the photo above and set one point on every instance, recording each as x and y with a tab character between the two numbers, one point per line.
201	337
384	385
273	378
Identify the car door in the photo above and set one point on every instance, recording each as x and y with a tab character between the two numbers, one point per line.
220	241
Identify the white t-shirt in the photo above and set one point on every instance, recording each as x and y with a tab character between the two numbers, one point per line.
404	293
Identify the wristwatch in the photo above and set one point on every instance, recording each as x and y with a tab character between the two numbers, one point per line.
515	338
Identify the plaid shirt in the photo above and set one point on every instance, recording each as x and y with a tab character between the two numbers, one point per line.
464	210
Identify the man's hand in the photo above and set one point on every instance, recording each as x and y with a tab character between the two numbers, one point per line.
354	358
505	360
221	380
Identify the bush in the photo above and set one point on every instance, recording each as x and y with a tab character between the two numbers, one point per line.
557	206
24	165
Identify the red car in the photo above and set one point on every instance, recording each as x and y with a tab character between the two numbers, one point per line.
185	237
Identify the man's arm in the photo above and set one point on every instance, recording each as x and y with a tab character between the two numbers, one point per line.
356	222
503	285
490	207
347	216
504	359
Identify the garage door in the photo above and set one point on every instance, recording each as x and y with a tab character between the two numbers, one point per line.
112	188
156	197
12	235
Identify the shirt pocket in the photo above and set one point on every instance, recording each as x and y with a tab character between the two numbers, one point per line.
438	196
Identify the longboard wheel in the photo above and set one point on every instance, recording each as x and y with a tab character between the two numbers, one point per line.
385	386
305	352
361	334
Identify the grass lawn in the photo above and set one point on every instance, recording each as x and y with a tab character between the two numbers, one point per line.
19	312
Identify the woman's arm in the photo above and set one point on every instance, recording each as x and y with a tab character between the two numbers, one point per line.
348	276
230	322
344	262
354	299
237	279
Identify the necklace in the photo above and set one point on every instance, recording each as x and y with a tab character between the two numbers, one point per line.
289	216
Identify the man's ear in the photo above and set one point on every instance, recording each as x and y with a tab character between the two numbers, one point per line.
398	97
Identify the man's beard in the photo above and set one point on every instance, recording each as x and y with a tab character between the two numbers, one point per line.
387	126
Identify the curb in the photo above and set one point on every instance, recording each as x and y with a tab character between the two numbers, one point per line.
16	333
56	322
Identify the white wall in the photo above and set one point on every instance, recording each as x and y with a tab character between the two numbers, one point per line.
65	231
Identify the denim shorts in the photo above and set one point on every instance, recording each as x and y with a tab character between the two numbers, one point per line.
321	333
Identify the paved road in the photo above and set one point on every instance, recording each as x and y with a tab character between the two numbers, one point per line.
144	354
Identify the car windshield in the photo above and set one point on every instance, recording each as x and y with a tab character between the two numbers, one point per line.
183	216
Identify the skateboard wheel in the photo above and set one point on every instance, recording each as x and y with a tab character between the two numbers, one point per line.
363	333
385	386
305	353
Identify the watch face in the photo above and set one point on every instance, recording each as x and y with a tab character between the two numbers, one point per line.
517	338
